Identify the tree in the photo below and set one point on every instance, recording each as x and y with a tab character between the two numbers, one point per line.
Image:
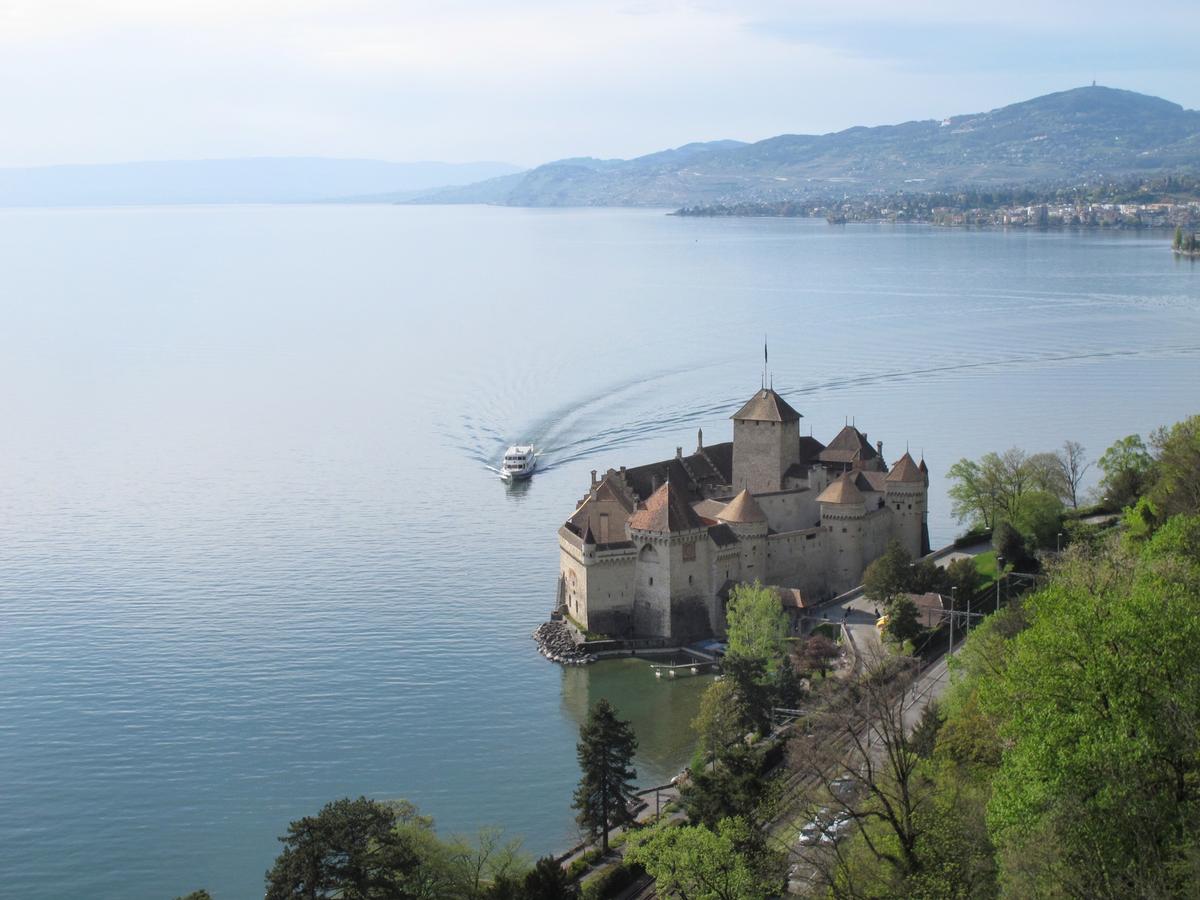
1177	243
1128	467
903	621
547	880
1177	485
721	721
605	751
1010	544
972	492
926	577
485	867
196	895
964	578
1047	475
757	626
1098	788
1039	515
349	850
888	575
820	652
1072	463
753	689
736	787
694	863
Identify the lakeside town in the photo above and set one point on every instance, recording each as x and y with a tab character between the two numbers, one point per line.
1036	215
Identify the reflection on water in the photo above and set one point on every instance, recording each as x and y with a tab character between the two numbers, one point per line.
660	710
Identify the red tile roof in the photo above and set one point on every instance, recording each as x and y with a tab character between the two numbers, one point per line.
665	511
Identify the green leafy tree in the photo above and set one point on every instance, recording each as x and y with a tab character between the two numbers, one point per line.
1010	543
927	576
606	792
964	578
1098	789
787	689
733	788
972	494
889	574
1039	515
1177	243
903	620
695	863
196	895
757	626
1128	469
1048	475
721	720
753	689
547	880
1177	467
349	850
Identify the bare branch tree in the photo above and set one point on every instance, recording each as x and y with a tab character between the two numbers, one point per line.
1071	460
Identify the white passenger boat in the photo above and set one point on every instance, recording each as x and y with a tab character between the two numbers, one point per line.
519	462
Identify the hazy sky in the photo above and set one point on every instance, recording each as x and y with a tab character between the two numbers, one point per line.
531	80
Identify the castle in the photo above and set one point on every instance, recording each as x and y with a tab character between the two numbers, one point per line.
654	551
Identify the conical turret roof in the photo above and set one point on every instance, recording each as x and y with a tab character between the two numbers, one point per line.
665	511
767	406
906	471
742	510
842	491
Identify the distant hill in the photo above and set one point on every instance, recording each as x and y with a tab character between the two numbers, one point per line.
1058	138
256	180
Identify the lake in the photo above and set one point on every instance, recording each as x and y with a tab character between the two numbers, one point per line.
251	555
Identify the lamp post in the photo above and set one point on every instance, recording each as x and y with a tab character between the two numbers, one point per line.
1060	542
953	607
999	575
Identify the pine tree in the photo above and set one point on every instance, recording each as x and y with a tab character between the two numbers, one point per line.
605	793
1178	244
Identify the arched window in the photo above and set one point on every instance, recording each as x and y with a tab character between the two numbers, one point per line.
648	554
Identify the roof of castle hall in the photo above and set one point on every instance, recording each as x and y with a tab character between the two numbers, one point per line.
810	447
722	535
842	491
710	467
742	510
906	471
849	445
666	511
870	481
767	406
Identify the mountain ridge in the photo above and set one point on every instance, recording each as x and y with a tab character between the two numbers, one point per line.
1066	136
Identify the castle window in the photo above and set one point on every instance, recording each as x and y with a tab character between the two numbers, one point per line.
651	581
689	552
689	579
910	506
843	531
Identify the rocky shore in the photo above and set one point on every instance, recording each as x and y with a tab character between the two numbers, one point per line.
556	642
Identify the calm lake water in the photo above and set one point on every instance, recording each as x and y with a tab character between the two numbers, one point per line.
251	557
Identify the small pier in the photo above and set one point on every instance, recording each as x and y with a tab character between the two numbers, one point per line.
686	662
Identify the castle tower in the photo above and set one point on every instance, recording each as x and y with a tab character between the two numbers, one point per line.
672	567
843	509
906	497
766	442
747	520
